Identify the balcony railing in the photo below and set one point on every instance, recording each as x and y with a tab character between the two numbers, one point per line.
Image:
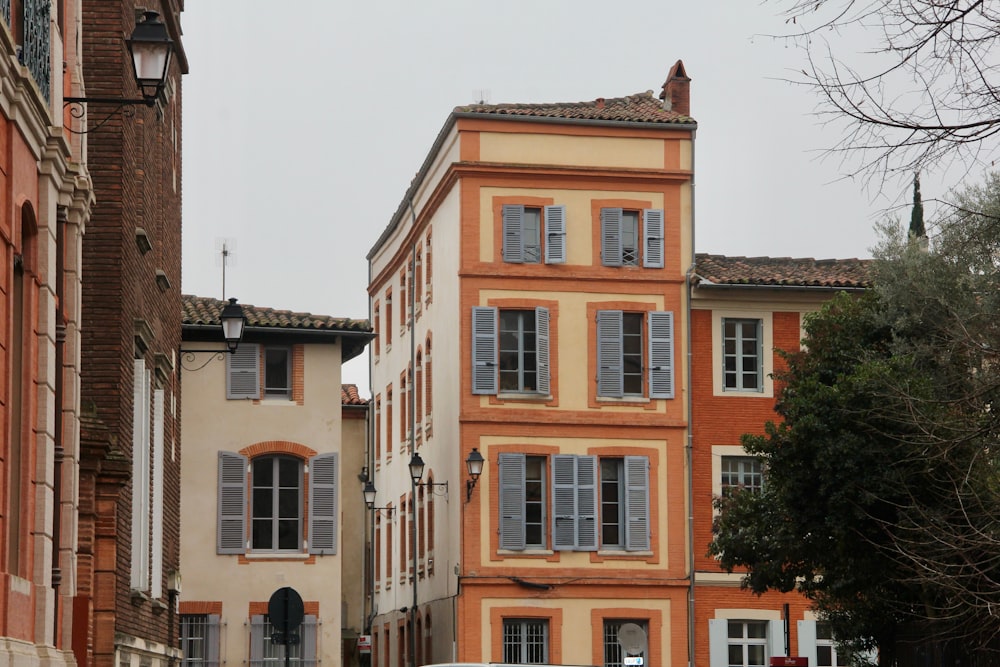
35	52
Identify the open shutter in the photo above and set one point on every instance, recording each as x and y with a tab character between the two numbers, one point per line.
542	348
636	503
807	641
609	354
563	502
718	642
652	233
513	238
243	372
511	501
213	640
611	236
484	350
555	234
323	504
776	639
308	640
661	354
231	533
257	639
156	587
586	503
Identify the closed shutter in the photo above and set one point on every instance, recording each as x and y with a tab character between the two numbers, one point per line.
776	639
156	587
484	350
542	348
513	238
308	638
661	354
718	642
586	503
231	533
213	640
563	502
636	503
807	641
555	234
323	504
609	354
652	232
511	501
611	236
243	372
257	639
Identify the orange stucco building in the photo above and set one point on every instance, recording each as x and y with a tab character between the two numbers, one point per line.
536	299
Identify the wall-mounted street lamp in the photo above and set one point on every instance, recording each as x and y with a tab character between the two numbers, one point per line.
232	322
474	465
369	493
150	47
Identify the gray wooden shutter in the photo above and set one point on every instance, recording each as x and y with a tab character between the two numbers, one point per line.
661	354
257	639
542	348
652	233
511	475
718	642
611	236
231	532
807	641
563	502
586	503
323	504
513	236
609	354
243	372
484	350
308	640
213	640
636	503
555	234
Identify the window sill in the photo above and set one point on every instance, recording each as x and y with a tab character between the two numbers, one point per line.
274	400
625	400
523	396
525	552
621	553
267	555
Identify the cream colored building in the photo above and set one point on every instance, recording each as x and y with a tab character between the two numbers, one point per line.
269	494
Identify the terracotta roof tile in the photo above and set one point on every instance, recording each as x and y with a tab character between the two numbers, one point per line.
783	271
349	395
199	310
638	108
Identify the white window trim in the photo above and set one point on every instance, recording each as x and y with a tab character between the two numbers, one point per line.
718	451
767	352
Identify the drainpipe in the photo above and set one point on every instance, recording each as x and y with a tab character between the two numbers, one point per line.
689	447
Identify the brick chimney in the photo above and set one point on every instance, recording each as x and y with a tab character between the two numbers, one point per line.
676	93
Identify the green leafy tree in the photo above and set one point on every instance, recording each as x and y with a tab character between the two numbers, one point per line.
882	490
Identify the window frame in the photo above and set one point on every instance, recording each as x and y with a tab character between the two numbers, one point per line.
657	374
740	356
485	351
522	626
264	653
755	473
548	241
275	490
285	392
609	640
208	639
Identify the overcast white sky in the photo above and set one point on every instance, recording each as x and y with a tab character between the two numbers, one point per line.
304	122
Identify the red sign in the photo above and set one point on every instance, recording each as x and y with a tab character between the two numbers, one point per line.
364	644
789	662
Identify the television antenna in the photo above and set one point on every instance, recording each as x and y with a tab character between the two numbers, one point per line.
225	250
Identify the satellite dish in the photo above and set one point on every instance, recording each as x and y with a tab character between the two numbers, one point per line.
632	638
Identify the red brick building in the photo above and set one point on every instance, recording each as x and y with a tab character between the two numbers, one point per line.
129	484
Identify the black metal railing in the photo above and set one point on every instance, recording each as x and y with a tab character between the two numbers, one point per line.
35	53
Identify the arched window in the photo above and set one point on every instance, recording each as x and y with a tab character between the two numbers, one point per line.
419	385
428	383
276	503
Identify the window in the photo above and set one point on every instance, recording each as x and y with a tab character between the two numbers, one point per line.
243	370
621	638
741	472
827	654
624	502
265	653
742	357
523	233
277	372
627	240
747	643
510	350
377	328
629	365
141	474
525	641
200	640
278	522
